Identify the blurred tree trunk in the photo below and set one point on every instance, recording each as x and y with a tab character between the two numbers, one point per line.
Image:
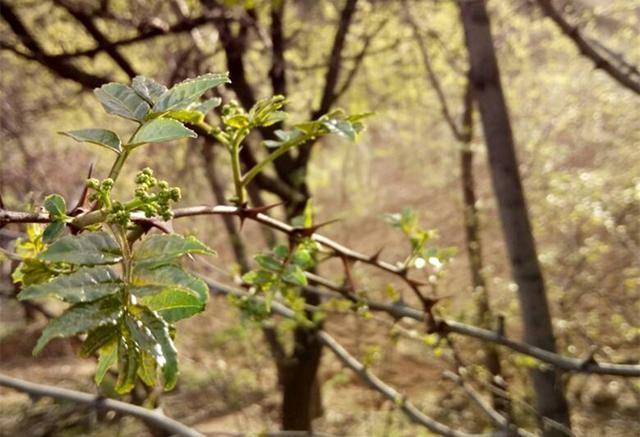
487	89
484	314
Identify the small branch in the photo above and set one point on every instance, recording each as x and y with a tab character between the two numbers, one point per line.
559	361
153	418
629	79
497	418
348	360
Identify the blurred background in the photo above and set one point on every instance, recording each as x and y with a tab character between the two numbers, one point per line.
578	139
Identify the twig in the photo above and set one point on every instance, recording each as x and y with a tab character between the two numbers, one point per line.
343	355
396	310
153	418
626	79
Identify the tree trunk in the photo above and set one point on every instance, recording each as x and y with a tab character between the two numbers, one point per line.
484	315
485	76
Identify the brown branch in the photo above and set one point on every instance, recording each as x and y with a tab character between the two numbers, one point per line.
361	370
328	96
396	310
629	79
60	66
180	27
87	22
431	75
150	417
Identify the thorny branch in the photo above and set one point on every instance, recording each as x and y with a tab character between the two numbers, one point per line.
434	323
156	419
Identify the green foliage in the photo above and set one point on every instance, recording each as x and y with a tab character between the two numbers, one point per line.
125	291
280	274
160	130
101	137
423	252
138	312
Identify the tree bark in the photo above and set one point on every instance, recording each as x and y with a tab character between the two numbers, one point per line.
526	271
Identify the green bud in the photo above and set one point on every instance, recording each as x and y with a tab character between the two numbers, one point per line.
107	184
93	183
163	185
175	194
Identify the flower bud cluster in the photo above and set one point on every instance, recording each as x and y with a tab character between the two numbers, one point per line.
154	196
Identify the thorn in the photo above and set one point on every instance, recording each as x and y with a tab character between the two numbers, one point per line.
376	256
1	202
147	224
500	328
590	358
262	209
307	232
83	196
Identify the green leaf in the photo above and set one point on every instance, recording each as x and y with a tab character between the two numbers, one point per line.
128	362
185	116
208	105
159	250
147	88
107	357
160	130
84	285
151	334
32	271
53	231
150	281
185	93
174	304
81	318
55	205
91	248
340	127
101	137
97	339
293	274
268	262
123	101
258	277
147	370
237	121
171	292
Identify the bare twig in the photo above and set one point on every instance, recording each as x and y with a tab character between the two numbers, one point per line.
624	73
397	310
156	419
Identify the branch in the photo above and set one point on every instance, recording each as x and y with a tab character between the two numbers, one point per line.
180	27
87	22
153	418
358	61
431	74
397	310
348	360
626	78
328	96
60	66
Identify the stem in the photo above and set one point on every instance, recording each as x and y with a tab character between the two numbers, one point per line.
248	177
117	165
235	166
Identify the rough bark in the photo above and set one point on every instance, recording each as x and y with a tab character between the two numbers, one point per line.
526	271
